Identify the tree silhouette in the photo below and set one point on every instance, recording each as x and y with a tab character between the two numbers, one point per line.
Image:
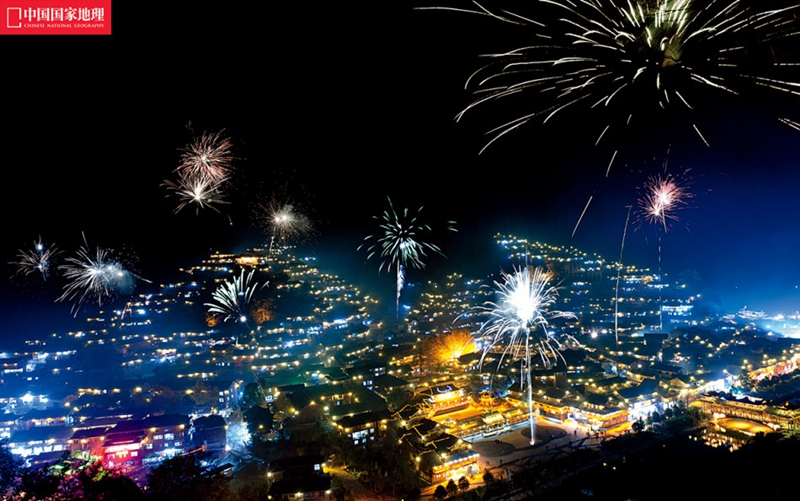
9	468
452	488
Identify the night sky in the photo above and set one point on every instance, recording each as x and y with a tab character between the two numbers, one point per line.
340	107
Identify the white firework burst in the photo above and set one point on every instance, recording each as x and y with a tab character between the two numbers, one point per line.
233	297
284	221
209	156
401	243
197	190
519	321
94	276
626	63
40	259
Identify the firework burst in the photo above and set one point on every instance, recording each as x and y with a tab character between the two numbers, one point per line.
525	299
284	222
400	243
95	276
630	61
197	190
232	298
209	156
204	173
39	259
663	196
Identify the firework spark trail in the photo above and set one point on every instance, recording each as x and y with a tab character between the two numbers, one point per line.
619	276
399	245
663	196
524	301
94	276
40	259
585	208
623	60
209	156
791	123
401	283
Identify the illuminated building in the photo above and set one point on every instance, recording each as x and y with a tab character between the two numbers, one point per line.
36	418
364	427
44	439
438	456
300	478
123	449
141	442
444	398
437	467
210	433
88	442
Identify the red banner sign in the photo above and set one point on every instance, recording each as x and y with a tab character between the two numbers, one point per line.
48	17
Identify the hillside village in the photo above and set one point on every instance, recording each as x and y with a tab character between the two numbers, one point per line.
161	376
